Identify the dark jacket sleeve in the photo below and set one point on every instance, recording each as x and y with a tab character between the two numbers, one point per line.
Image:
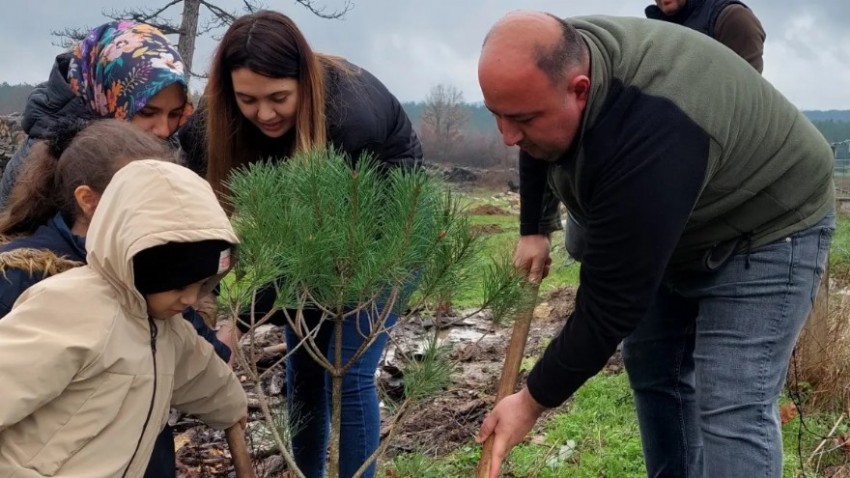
192	139
13	283
646	173
192	316
739	29
364	117
401	148
538	206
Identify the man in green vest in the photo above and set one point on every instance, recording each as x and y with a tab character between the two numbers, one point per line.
707	205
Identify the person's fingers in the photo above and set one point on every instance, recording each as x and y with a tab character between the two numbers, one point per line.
520	261
487	427
535	273
546	269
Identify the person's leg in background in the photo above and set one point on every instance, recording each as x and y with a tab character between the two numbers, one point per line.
307	404
361	415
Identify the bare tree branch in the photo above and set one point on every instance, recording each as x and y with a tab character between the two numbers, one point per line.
320	11
143	15
220	18
252	7
150	17
443	119
163	9
68	37
210	25
219	12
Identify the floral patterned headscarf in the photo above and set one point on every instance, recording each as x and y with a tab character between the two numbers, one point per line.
121	65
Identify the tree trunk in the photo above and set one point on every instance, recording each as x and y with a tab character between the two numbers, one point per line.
188	32
336	400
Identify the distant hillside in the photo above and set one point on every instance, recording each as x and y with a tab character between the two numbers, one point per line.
13	98
834	124
480	119
829	115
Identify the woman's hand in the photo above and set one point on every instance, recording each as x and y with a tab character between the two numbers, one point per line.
229	335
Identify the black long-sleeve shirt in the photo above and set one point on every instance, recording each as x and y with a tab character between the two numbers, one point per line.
633	197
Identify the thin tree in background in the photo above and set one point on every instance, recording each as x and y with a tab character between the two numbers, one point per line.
443	120
189	29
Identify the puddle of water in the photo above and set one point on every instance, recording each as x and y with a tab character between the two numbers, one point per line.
465	334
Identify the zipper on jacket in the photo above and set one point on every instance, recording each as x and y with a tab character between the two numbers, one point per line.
154	331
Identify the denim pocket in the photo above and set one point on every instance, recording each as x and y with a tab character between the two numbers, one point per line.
824	241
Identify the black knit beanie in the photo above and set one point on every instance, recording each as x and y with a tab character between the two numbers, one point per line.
175	265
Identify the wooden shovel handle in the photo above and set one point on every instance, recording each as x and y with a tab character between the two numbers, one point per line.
239	452
510	373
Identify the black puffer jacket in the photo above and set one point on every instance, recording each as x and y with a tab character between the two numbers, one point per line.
363	116
49	103
700	15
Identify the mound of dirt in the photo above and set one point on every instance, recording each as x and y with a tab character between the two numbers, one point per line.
489	210
488	229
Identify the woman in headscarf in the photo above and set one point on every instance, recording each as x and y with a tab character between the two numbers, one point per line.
123	70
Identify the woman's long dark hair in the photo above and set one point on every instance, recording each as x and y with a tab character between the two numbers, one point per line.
270	44
78	155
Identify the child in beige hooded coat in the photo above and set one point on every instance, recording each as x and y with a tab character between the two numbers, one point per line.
92	359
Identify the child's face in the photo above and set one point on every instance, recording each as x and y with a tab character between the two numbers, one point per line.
164	305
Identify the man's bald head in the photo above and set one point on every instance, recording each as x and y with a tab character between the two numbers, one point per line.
524	38
535	79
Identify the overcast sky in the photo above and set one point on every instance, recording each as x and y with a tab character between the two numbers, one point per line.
412	45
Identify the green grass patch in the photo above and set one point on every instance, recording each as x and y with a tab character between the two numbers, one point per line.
839	254
414	465
802	437
501	232
596	436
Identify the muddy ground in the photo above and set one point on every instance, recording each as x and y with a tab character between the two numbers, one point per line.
436	427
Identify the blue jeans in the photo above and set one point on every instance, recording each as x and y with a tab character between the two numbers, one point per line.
708	363
309	397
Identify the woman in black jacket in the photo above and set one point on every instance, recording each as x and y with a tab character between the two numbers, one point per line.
270	95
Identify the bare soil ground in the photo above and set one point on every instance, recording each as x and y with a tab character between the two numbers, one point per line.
436	427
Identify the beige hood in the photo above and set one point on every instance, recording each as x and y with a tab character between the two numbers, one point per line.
178	206
88	380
